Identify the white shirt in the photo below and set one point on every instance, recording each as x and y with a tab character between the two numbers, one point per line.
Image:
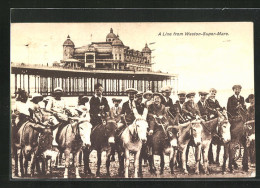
22	107
237	96
56	105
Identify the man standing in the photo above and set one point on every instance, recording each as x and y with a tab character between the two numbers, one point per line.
99	108
189	108
203	106
235	102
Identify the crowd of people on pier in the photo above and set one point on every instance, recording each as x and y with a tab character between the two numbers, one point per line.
139	106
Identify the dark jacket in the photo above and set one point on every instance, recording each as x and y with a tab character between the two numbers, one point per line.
251	113
169	103
232	104
188	108
203	108
128	112
154	110
95	112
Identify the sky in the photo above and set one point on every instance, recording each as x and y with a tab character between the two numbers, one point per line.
201	62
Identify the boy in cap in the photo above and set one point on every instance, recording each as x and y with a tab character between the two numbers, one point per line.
167	100
99	108
34	107
148	95
213	104
58	106
178	106
203	106
115	110
190	108
235	102
127	108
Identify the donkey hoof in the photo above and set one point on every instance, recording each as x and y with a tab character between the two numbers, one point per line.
161	172
97	174
172	172
185	172
108	175
78	176
224	172
66	176
197	172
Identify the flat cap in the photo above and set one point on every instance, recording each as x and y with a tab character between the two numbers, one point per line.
181	93
213	90
236	86
131	90
189	94
203	93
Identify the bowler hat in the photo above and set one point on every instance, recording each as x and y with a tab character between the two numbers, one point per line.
36	95
251	96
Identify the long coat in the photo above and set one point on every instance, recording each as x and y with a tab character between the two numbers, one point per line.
232	104
95	112
187	107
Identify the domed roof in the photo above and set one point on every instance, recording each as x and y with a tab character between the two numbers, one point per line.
111	34
146	49
68	42
117	42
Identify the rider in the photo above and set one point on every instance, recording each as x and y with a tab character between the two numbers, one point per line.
99	107
21	109
148	95
203	106
235	102
213	104
34	107
251	116
178	106
83	109
57	106
115	110
167	100
189	108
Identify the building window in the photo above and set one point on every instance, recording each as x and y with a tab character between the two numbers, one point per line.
119	56
115	56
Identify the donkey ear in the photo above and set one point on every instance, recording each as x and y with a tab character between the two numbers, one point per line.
37	127
53	127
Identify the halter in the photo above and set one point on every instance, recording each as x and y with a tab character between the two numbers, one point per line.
135	136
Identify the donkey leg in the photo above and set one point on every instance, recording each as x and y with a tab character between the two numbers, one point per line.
197	158
225	158
76	162
127	162
183	159
136	163
67	162
87	169
172	158
98	162
205	160
162	163
21	163
108	162
218	151
245	159
121	164
33	164
15	161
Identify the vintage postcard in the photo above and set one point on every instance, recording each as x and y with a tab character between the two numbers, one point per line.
132	100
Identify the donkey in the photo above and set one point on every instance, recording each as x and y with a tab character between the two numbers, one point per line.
132	139
102	138
71	139
164	142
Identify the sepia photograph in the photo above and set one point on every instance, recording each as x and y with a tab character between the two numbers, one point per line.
113	100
